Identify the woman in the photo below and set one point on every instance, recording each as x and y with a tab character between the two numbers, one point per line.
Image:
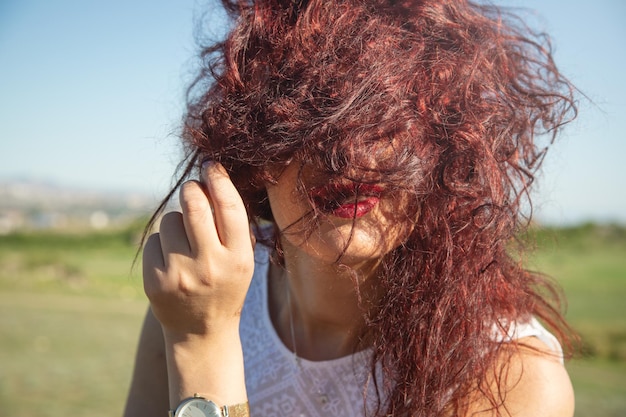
383	152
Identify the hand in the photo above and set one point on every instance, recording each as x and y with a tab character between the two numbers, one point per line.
197	269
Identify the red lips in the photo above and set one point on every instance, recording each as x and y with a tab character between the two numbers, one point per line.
346	201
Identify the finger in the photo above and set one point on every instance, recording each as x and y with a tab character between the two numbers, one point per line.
173	237
231	218
153	265
197	217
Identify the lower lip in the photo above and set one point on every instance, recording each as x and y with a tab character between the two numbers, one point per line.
358	209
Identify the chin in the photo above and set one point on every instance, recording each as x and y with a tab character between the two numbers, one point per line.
349	244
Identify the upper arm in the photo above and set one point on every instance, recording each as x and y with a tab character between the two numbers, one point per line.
148	395
535	384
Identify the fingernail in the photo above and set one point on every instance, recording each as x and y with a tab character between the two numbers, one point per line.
206	163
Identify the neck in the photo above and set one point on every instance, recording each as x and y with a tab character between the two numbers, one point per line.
317	308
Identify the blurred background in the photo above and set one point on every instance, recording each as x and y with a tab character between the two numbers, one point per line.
91	95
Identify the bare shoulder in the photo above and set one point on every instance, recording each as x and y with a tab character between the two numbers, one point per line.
534	384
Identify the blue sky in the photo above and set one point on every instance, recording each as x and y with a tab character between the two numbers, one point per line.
91	94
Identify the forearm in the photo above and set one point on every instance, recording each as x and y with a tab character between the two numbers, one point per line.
148	394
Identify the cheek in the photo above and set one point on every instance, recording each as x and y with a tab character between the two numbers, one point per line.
287	209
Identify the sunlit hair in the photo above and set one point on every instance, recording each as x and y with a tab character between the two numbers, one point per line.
468	98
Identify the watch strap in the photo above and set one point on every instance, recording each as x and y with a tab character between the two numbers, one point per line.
237	410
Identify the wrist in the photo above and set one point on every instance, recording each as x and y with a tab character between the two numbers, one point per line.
210	364
202	328
226	332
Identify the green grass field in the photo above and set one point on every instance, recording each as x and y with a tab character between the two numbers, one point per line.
71	308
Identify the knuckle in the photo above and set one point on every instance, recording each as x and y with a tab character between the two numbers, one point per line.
228	204
192	197
243	269
241	262
185	284
208	272
189	187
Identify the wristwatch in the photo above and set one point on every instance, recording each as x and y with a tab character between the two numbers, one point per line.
198	406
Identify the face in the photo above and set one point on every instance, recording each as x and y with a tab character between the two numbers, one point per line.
341	220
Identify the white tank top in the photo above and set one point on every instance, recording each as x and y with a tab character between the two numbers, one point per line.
281	385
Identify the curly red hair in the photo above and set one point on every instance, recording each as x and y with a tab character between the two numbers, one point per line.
469	98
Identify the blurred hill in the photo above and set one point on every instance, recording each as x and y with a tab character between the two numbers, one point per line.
27	204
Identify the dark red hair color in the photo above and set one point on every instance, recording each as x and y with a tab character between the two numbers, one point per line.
466	95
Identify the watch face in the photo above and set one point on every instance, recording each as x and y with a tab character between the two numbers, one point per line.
199	407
